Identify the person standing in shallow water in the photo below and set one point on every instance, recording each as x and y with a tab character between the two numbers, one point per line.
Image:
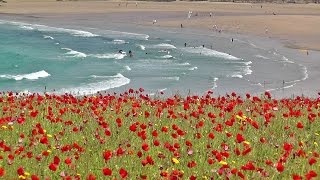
130	53
185	44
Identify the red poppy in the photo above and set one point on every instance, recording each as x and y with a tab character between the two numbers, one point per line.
91	177
299	125
312	161
145	146
240	138
296	177
56	160
311	174
34	177
53	167
107	155
2	172
107	171
20	171
123	173
68	161
280	167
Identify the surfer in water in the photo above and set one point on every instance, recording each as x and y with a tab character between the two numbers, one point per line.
130	53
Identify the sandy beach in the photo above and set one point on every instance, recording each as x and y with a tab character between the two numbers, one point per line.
295	24
288	31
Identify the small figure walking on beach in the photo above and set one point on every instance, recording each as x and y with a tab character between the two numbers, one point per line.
307	52
185	44
181	26
154	21
130	53
266	31
210	14
231	39
136	4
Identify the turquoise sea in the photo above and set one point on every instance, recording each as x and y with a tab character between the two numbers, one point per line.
39	58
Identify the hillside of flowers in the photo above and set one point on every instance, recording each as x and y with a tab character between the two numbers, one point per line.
134	136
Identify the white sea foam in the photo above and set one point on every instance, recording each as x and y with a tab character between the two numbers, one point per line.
248	63
215	83
193	68
127	68
44	28
161	90
185	64
119	41
142	47
26	27
109	56
31	76
91	88
164	46
73	53
118	75
73	32
247	70
236	75
261	57
285	87
209	52
168	56
126	35
176	78
286	59
305	72
48	37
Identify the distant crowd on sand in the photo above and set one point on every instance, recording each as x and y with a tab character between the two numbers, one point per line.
215	27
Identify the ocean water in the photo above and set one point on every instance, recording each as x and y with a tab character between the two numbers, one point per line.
39	58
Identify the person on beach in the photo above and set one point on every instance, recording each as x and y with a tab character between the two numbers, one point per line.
185	44
136	4
231	39
130	53
203	45
154	21
181	26
210	14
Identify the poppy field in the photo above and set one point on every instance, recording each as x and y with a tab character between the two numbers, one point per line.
134	136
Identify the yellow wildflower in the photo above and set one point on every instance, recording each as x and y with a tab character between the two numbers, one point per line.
4	127
49	151
246	142
241	118
174	160
22	177
315	143
49	135
233	162
223	163
27	174
317	134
